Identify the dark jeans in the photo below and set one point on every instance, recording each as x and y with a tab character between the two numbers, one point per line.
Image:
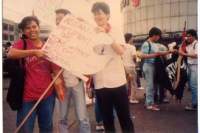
117	98
44	111
98	114
138	79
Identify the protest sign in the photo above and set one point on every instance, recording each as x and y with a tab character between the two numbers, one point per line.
72	46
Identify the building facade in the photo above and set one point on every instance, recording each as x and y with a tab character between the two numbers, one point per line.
168	15
10	31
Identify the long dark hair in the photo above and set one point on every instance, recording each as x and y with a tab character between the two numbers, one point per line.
27	20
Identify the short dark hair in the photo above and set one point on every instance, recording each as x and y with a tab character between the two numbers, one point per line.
192	32
155	31
127	37
26	20
64	11
100	6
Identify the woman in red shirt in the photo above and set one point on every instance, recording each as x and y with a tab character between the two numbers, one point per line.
38	77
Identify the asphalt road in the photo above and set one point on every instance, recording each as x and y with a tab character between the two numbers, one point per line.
171	119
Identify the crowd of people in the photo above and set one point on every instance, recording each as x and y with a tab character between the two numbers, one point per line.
114	86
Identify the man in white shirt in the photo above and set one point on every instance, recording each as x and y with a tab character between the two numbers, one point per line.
129	59
110	82
191	54
75	92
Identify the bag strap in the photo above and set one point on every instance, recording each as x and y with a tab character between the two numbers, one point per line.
194	46
24	48
149	47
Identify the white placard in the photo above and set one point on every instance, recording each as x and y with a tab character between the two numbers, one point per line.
72	46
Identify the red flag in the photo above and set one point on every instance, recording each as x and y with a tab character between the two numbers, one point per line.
183	46
136	3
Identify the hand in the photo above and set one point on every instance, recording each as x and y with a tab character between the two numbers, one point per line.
60	94
60	89
181	53
99	29
39	53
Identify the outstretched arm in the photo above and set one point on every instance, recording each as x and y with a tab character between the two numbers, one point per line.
17	53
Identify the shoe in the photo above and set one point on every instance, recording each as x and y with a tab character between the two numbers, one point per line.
165	100
153	108
156	105
140	88
133	117
99	127
133	101
191	108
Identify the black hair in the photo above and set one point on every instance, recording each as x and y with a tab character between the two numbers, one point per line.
127	37
100	6
192	32
155	31
8	44
64	11
26	21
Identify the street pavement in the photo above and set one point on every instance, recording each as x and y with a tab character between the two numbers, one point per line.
171	119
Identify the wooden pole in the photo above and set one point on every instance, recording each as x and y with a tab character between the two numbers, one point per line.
39	100
178	71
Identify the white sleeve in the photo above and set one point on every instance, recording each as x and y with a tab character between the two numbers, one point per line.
117	36
133	50
196	48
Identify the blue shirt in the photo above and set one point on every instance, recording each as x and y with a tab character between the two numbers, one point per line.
145	49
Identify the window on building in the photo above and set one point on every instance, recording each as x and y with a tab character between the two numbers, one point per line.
11	37
5	36
5	26
11	28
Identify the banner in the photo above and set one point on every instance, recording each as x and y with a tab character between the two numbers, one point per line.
172	71
72	45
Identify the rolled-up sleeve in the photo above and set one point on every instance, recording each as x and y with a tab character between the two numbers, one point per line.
145	48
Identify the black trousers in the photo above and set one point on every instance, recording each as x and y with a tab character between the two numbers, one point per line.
115	98
138	79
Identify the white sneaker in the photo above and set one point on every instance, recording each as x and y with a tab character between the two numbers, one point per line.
153	108
165	100
99	127
133	117
140	88
133	101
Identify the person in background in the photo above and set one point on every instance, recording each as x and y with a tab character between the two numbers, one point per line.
91	94
129	59
161	80
138	69
38	77
75	93
191	54
110	83
149	52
